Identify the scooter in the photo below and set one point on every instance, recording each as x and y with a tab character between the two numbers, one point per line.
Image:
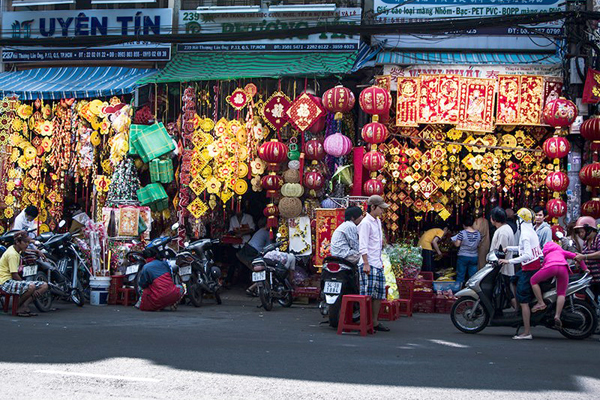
272	279
338	278
478	306
198	272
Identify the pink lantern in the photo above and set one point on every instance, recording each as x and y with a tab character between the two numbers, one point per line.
337	145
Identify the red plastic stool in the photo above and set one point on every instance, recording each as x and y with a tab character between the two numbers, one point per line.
387	312
124	295
116	284
15	301
346	324
405	307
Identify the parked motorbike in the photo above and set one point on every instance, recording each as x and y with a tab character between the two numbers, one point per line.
480	304
198	272
272	279
338	278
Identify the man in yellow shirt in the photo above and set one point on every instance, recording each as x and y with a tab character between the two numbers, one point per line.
10	280
429	243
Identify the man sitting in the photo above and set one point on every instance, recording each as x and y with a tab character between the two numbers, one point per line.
10	280
159	290
344	241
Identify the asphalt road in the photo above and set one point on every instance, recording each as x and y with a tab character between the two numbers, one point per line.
239	351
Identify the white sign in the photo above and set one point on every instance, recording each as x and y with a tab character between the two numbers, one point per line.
498	38
86	23
470	71
263	21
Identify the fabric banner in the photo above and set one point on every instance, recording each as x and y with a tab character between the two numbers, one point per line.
327	220
407	103
476	105
448	99
591	89
552	88
509	100
532	100
428	99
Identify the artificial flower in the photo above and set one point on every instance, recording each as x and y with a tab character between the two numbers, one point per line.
46	128
213	185
102	183
24	111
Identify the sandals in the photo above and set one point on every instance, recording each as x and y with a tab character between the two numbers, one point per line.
557	323
26	314
537	308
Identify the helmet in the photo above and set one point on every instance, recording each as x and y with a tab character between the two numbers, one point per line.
585	222
525	215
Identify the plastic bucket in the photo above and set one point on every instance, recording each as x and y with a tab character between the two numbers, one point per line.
99	297
100	282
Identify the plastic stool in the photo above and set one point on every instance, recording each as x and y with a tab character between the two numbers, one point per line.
15	301
116	284
387	311
405	307
124	295
346	324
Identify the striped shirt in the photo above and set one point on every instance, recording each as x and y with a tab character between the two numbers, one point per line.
469	243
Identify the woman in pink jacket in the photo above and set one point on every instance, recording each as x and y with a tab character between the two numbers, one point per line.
555	265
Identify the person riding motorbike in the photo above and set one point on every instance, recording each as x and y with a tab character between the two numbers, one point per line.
159	290
344	241
530	258
587	230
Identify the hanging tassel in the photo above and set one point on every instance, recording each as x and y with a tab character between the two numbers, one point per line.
301	170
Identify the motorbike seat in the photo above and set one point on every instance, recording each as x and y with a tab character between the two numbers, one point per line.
339	260
58	239
575	277
199	246
44	237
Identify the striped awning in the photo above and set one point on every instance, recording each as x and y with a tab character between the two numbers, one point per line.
71	82
188	67
407	58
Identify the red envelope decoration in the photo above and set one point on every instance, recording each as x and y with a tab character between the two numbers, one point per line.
304	112
275	109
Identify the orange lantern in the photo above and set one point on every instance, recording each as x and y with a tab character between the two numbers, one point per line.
557	181
556	208
373	186
591	208
339	100
556	147
374	133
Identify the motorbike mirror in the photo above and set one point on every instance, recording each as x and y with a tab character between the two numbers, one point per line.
278	236
175	226
186	244
559	235
37	243
62	223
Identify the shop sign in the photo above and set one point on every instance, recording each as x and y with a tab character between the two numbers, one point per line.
470	71
401	11
86	23
263	21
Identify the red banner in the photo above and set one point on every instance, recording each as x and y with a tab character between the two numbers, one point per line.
407	102
476	105
532	100
591	89
327	220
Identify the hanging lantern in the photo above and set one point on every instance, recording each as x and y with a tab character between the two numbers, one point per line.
271	211
373	161
291	176
559	113
314	150
556	147
372	187
338	100
290	207
591	208
293	153
557	181
374	133
271	183
273	152
337	145
375	100
556	208
590	129
292	190
314	180
589	175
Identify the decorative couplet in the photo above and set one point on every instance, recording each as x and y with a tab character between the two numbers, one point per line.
521	99
476	105
408	102
327	220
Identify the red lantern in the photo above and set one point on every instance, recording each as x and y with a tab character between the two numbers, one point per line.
375	100
556	208
374	133
338	100
590	129
314	180
271	211
589	175
272	184
372	187
557	181
591	208
373	161
556	147
314	150
273	152
559	112
555	229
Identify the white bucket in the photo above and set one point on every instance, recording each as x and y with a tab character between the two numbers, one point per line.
99	290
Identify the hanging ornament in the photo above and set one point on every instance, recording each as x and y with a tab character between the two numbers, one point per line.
556	208
314	150
373	187
337	145
339	100
559	113
373	161
374	133
290	207
375	101
591	208
589	175
304	112
275	109
271	211
557	181
273	152
314	180
556	147
292	190
590	129
238	99
271	183
556	229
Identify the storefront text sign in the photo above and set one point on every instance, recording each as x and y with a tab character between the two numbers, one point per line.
86	23
264	21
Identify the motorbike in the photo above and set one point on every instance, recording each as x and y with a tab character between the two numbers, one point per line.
198	272
480	304
338	278
272	279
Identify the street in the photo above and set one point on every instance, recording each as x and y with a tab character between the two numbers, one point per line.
237	350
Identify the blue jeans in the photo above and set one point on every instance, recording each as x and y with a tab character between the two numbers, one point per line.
465	265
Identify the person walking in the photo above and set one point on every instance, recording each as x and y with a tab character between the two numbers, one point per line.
503	239
483	226
370	238
468	241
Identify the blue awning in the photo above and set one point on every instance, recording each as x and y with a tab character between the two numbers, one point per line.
407	58
71	82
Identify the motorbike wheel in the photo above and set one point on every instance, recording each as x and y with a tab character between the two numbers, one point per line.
195	292
77	297
287	300
587	312
264	294
467	320
44	303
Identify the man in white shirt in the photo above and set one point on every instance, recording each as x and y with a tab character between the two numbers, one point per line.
504	238
344	241
370	238
24	221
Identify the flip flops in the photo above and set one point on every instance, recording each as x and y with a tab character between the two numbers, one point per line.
557	323
537	308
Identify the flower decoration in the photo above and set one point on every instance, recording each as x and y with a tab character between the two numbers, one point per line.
105	126
258	166
213	185
9	200
256	184
197	208
46	144
9	213
46	128
17	124
47	112
95	138
24	163
10	186
24	111
102	183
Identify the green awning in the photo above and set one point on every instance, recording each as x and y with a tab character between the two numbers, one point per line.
188	67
